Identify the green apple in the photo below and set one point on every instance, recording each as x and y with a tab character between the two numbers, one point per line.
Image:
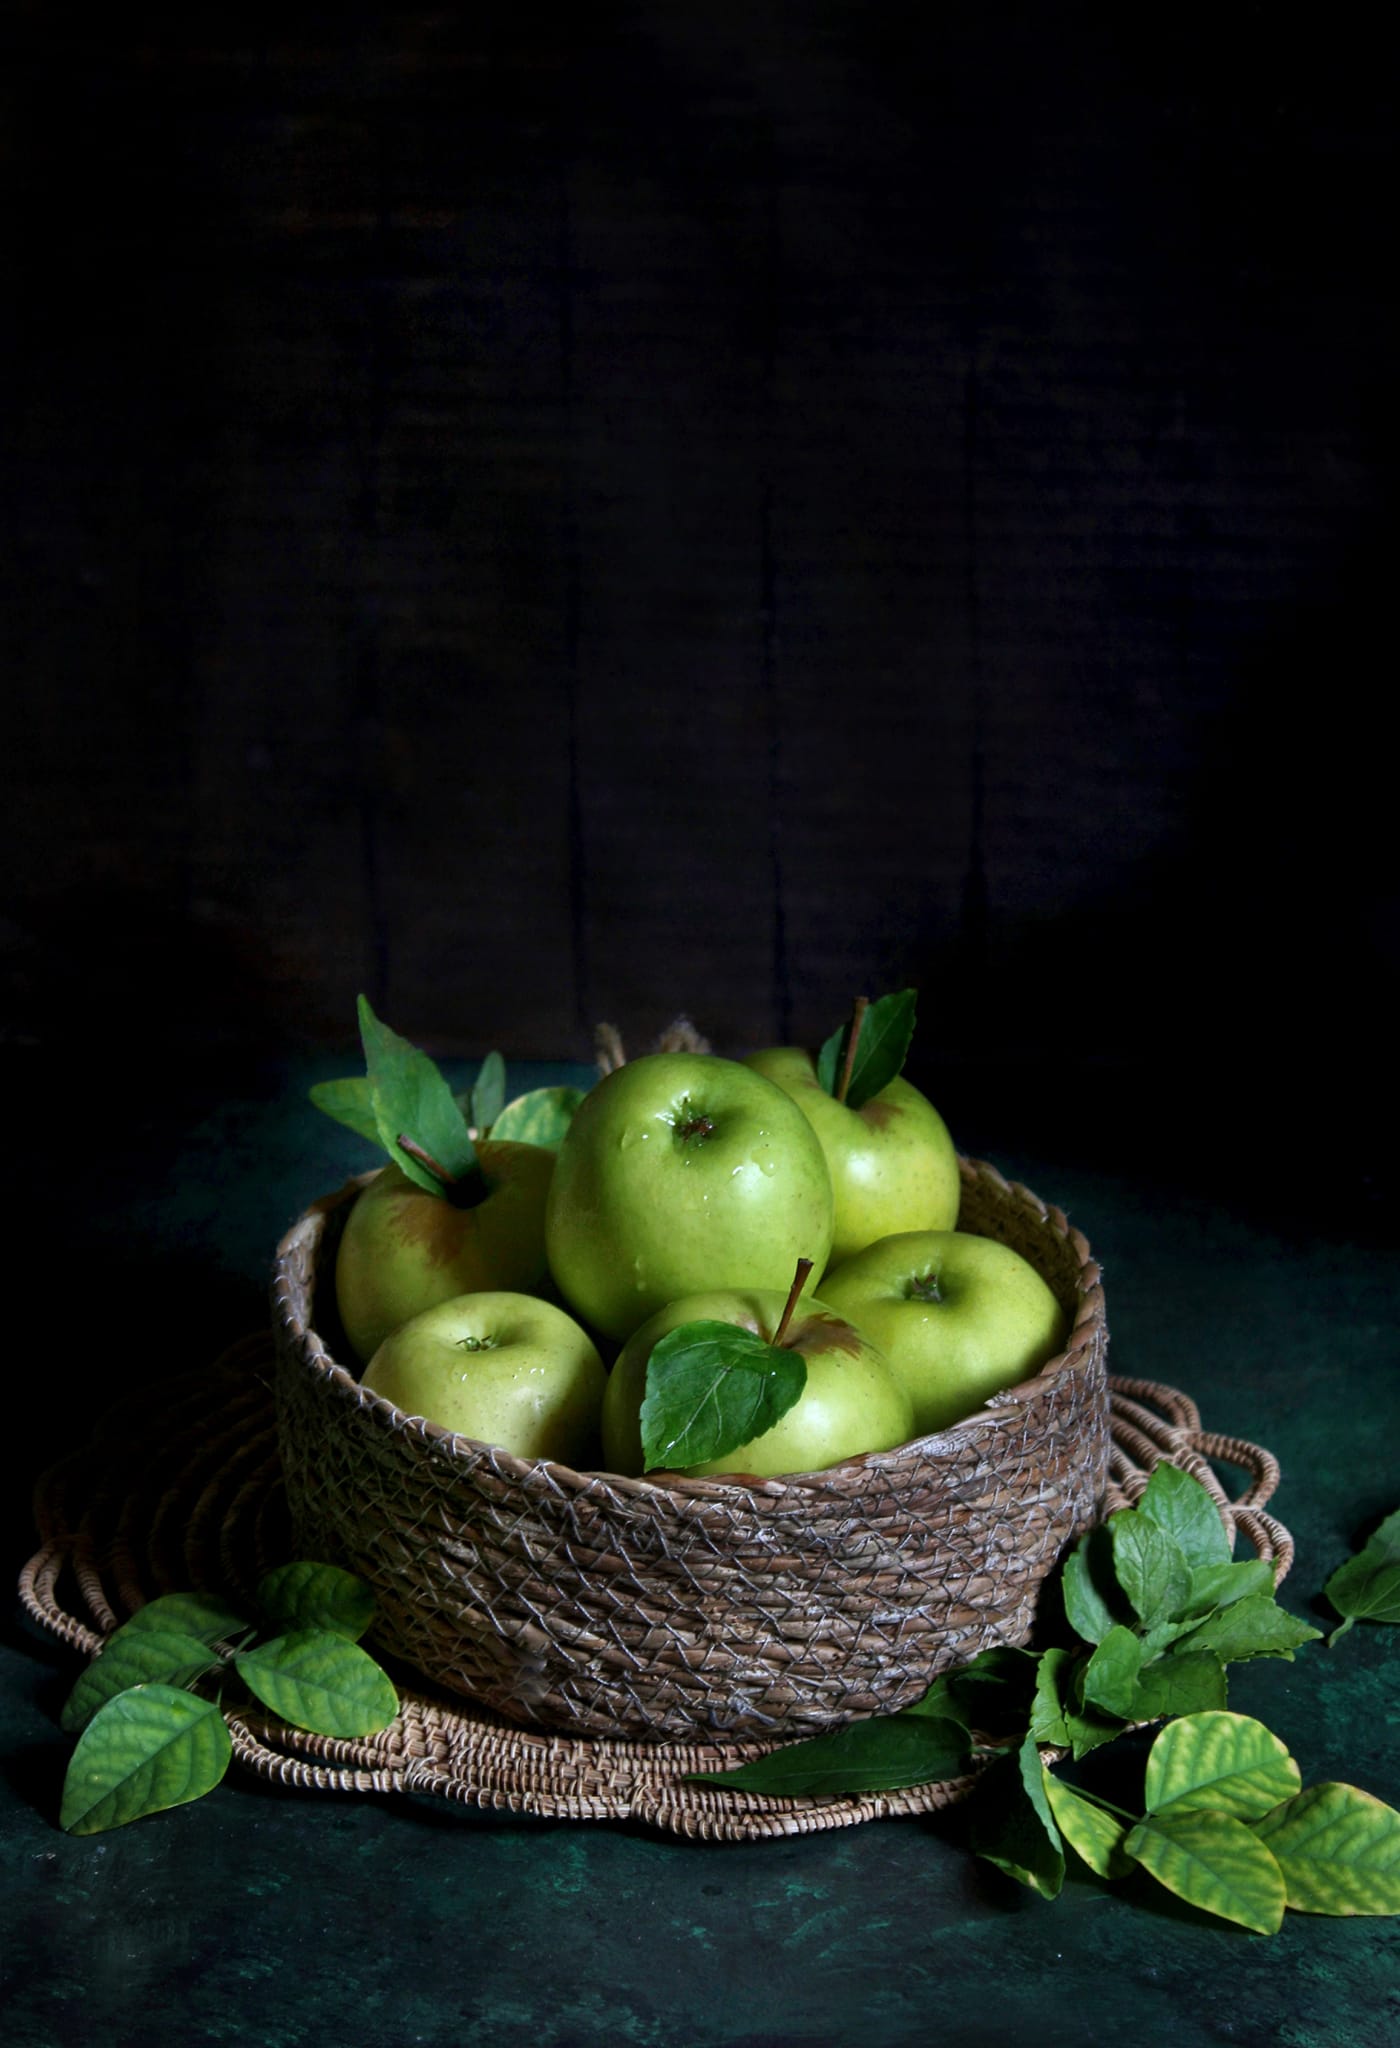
405	1249
892	1162
505	1369
960	1318
681	1171
852	1402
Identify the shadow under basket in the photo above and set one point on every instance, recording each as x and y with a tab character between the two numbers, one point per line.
595	1604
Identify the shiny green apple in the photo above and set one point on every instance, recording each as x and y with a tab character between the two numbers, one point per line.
503	1368
682	1171
404	1249
892	1163
852	1402
960	1318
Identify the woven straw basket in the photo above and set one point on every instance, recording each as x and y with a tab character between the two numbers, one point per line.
593	1604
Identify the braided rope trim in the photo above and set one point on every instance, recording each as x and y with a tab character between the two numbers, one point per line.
199	1502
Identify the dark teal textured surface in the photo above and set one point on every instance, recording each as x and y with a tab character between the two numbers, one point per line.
279	1920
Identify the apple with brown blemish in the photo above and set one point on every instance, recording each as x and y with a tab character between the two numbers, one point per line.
406	1249
851	1402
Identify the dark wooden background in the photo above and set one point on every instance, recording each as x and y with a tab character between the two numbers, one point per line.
709	507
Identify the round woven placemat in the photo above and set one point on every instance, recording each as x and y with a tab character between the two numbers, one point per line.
182	1489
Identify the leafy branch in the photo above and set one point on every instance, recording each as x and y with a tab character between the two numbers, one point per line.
402	1103
1158	1608
148	1740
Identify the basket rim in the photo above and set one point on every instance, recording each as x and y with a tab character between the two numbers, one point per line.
1087	1332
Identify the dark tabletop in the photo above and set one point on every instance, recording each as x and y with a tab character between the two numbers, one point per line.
279	1919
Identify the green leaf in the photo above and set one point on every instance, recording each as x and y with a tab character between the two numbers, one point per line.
539	1118
1213	1861
150	1748
1149	1566
350	1103
1178	1504
1228	1763
1013	1825
147	1656
866	1756
320	1681
710	1388
411	1099
936	1704
1089	1729
1221	1585
1054	1676
1111	1674
1091	1596
1367	1586
1189	1682
191	1614
1253	1627
307	1595
1338	1849
1095	1835
488	1095
887	1027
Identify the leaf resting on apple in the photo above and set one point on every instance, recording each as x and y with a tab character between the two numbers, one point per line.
710	1388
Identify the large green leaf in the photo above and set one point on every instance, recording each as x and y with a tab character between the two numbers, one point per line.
1111	1674
351	1103
1253	1627
412	1100
1093	1601
1221	1585
150	1748
1213	1861
1338	1849
1053	1679
146	1656
1180	1505
318	1680
308	1595
1228	1763
711	1387
866	1756
1149	1566
1187	1682
884	1031
192	1614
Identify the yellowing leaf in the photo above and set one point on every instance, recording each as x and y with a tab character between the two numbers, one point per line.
1223	1762
1213	1861
1096	1836
1338	1849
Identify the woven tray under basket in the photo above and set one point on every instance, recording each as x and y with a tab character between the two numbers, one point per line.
700	1607
183	1490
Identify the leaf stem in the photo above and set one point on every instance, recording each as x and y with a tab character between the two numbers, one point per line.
1097	1799
862	1004
799	1281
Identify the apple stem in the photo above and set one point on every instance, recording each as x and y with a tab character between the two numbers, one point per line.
462	1190
862	1004
415	1151
804	1267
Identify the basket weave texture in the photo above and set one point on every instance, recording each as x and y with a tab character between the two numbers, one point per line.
183	1490
698	1608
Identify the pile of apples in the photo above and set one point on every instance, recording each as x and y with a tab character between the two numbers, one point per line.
685	1191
